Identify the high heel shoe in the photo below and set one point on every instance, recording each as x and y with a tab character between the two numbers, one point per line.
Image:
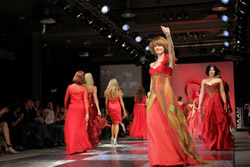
115	142
11	150
112	140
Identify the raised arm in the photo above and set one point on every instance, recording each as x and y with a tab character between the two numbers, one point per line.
171	53
96	100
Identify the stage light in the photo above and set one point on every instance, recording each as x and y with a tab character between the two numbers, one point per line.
224	18
225	33
186	16
109	36
225	1
138	39
226	44
125	27
171	17
147	48
105	9
124	45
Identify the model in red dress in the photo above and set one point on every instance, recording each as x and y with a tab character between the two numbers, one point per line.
95	123
75	128
114	102
192	118
139	126
169	141
215	131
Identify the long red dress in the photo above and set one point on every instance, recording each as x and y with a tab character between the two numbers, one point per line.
215	133
95	123
114	108
75	128
169	142
139	126
192	119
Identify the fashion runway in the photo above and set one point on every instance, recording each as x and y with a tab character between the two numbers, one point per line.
129	152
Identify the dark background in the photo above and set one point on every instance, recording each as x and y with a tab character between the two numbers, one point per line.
33	63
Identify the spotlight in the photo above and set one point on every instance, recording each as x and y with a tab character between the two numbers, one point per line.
138	39
186	16
105	9
225	1
147	48
226	44
179	16
225	33
224	18
109	36
124	45
171	17
125	27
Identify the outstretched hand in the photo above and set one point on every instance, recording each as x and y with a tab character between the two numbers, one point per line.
165	30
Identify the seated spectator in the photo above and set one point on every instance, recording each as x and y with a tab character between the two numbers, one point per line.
4	129
57	131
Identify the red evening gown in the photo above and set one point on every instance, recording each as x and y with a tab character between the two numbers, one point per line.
75	128
169	142
215	133
192	119
114	108
139	126
95	123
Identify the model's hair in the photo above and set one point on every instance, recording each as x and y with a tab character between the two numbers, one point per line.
179	98
79	78
209	67
89	81
159	41
112	89
140	93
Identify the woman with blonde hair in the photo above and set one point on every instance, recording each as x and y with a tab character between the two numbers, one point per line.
95	123
75	128
113	103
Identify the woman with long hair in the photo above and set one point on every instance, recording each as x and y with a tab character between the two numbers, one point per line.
95	123
113	103
139	126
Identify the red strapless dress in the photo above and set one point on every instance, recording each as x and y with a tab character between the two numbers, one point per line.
114	109
139	126
215	133
169	141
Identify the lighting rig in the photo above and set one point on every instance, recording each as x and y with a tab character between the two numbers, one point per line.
82	9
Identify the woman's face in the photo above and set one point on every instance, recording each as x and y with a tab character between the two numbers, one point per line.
211	72
159	50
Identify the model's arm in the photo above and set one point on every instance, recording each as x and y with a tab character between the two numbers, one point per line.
122	103
66	98
201	95
171	52
96	99
106	103
223	95
86	102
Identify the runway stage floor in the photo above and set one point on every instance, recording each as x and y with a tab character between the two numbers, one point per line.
128	153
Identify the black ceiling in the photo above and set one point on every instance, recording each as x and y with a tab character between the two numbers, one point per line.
196	28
